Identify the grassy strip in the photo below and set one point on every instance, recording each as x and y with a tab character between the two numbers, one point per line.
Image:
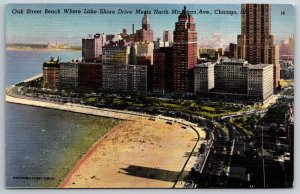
91	99
239	125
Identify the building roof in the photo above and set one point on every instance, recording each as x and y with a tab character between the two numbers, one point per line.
208	64
95	36
47	64
229	60
146	19
243	62
185	14
259	66
53	62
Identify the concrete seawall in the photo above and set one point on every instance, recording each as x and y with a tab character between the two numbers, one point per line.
70	106
73	108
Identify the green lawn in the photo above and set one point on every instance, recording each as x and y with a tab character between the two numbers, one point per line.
208	108
169	105
241	126
91	99
193	108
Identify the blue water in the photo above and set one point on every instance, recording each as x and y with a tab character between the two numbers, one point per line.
37	141
37	138
21	65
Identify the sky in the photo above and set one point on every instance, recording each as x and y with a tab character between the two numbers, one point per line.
70	28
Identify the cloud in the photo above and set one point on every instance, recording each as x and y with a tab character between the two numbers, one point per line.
216	41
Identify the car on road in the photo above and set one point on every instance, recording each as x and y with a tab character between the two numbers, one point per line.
169	122
152	118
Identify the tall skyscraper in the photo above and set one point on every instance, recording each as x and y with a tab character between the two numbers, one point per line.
256	43
90	76
92	47
132	55
185	53
291	44
145	49
51	73
137	78
158	43
284	50
232	50
68	74
144	34
204	78
163	70
168	36
115	65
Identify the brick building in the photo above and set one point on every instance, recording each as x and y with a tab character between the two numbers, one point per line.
185	53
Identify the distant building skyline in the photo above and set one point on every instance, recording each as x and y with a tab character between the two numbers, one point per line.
70	28
128	66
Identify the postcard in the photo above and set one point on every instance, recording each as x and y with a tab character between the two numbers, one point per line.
187	96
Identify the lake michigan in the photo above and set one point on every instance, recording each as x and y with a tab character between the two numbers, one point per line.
39	140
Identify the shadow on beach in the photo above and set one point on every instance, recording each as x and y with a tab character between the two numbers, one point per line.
151	173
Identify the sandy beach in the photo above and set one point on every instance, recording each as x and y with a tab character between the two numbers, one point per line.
135	154
138	153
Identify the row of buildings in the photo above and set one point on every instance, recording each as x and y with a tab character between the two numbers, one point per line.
234	78
137	63
91	76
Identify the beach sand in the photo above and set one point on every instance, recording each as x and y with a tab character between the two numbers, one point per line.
139	153
135	154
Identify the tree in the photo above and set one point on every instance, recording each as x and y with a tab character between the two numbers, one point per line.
194	175
277	114
251	121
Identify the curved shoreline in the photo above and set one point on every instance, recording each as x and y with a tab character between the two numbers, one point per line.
73	108
109	160
129	117
123	115
93	148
